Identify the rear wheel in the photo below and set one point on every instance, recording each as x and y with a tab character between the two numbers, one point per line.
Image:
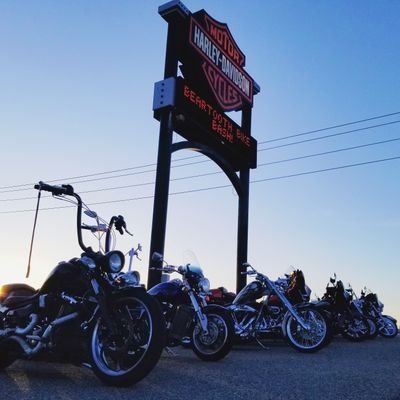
311	339
126	355
217	342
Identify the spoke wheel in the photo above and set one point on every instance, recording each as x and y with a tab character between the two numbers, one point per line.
125	354
217	342
311	339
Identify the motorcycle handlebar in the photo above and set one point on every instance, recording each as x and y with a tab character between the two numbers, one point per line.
166	268
95	228
67	190
55	189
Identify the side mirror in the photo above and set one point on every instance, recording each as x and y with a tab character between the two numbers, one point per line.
90	213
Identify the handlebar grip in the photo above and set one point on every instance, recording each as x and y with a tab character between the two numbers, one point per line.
55	190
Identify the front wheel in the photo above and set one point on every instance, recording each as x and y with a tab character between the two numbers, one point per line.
388	328
311	339
217	342
128	353
356	329
5	359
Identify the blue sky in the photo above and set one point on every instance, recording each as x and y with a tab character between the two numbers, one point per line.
76	87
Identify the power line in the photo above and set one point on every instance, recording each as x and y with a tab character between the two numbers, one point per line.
121	187
205	161
329	152
329	128
220	172
103	173
316	171
221	186
191	157
108	177
329	136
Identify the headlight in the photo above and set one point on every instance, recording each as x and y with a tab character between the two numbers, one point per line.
131	278
114	261
204	285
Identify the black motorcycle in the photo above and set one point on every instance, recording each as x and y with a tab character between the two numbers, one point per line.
343	314
207	328
373	307
84	314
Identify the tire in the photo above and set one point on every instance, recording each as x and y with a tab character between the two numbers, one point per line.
373	328
218	342
388	328
5	359
126	358
307	341
357	329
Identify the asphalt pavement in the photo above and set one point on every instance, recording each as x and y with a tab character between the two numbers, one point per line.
344	370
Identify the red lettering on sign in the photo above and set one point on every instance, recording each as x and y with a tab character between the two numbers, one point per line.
243	137
220	124
225	93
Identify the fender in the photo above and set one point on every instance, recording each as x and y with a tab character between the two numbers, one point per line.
215	307
115	294
127	290
226	315
391	318
355	311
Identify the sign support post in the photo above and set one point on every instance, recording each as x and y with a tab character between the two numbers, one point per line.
161	193
243	213
212	82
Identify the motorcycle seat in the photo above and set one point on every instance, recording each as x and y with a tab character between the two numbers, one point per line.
17	294
12	301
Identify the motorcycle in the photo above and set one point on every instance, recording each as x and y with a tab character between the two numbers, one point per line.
344	315
280	310
84	313
373	307
358	303
208	328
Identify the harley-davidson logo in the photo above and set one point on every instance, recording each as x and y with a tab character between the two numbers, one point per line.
223	61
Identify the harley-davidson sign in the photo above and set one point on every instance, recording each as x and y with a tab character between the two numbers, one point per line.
222	61
207	81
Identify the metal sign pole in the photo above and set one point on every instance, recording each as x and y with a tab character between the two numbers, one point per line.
243	213
160	207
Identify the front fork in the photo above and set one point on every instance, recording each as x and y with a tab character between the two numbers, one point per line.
200	315
292	310
103	306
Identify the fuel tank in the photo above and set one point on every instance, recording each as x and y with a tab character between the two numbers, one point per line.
170	291
67	276
250	293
